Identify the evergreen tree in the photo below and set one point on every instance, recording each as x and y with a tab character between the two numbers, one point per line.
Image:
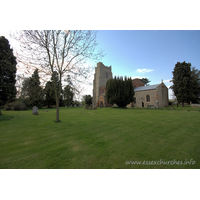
68	95
36	90
146	81
50	98
182	82
88	99
195	78
31	90
119	91
24	90
68	92
7	72
51	87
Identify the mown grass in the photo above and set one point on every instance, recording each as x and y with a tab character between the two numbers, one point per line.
102	138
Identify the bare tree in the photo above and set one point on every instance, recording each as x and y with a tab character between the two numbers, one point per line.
60	52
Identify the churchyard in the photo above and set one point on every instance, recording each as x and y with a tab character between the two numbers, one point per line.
104	138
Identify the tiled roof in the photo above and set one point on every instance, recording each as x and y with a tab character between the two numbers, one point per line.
149	87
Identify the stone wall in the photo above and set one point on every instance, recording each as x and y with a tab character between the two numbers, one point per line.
101	76
162	92
102	90
141	100
159	94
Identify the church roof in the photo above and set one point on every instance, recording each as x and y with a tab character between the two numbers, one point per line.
149	87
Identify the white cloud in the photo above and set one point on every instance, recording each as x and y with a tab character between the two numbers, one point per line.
167	81
144	70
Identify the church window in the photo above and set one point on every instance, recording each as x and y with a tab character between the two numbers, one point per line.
148	98
106	74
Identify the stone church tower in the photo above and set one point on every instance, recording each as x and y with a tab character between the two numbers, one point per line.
101	76
153	96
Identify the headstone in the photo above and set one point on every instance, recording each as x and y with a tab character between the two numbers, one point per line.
75	105
35	110
172	106
66	106
157	104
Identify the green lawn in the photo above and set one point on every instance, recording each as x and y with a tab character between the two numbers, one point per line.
102	138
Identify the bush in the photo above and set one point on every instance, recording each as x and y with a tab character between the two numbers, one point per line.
17	105
8	106
119	91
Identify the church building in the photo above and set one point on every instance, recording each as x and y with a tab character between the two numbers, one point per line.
145	96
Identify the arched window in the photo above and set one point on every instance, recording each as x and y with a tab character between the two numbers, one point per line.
148	98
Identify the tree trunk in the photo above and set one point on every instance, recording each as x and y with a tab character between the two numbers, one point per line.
0	112
57	109
183	104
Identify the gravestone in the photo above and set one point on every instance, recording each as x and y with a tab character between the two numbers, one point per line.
35	110
157	104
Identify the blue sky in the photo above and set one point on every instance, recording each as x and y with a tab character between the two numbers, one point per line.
151	54
141	53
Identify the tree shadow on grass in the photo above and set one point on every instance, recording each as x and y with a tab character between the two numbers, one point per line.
5	117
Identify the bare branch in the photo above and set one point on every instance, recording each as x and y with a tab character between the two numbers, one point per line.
63	52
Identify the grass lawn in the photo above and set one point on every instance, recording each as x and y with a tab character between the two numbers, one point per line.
102	138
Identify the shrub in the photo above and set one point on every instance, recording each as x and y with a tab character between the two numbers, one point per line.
119	91
19	105
8	106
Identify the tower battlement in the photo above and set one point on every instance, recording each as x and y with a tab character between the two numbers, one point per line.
101	65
